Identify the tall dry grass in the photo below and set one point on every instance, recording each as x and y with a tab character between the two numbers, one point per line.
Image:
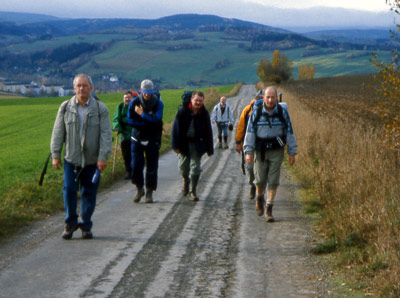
357	184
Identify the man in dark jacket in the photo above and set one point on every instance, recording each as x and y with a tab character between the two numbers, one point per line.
191	138
124	130
145	116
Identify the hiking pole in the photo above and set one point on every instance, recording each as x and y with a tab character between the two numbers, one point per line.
44	170
115	155
243	161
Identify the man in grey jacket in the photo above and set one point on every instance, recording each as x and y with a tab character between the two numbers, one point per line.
268	131
223	117
83	124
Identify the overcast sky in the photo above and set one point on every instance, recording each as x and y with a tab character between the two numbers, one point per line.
250	10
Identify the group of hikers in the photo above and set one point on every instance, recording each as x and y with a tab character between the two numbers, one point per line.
82	127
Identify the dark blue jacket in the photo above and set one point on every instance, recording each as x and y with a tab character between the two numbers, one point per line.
203	138
148	126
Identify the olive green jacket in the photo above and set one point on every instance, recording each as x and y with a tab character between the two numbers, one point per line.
96	141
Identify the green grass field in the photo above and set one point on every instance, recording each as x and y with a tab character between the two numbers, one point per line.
25	130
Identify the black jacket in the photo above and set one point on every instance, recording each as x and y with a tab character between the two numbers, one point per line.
203	138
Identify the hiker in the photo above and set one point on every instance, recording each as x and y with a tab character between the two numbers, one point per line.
240	133
268	130
223	117
192	137
83	124
145	117
123	129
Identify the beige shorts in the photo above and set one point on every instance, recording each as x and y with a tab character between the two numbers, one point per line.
267	172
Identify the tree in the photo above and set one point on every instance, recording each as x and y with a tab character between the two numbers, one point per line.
388	80
280	69
306	72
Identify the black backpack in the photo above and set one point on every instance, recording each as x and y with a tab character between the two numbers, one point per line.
186	98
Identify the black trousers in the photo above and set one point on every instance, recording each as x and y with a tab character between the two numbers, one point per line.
126	154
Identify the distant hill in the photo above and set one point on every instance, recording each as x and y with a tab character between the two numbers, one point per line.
185	50
59	27
23	18
350	34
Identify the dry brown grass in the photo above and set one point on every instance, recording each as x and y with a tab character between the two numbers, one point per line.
356	178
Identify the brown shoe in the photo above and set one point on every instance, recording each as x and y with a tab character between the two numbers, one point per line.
260	205
252	192
268	213
139	194
69	231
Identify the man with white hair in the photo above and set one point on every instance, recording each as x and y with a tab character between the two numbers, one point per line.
83	124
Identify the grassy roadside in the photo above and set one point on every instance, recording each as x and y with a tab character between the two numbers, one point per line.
350	184
26	201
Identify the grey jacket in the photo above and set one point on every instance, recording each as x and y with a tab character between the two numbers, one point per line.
263	129
217	116
96	141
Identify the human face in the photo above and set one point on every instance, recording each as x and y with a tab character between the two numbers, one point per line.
222	100
270	99
147	96
197	102
127	98
82	88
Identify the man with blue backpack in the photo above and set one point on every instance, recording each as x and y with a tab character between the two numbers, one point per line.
268	131
145	117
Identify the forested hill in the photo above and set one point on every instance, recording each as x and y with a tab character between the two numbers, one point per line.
173	23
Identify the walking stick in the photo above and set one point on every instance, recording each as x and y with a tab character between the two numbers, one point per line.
44	170
115	154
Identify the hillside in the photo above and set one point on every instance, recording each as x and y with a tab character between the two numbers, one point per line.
176	51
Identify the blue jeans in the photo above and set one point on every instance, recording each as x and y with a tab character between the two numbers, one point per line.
138	153
222	128
88	195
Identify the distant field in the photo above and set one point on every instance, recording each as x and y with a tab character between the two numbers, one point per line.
25	130
150	59
132	60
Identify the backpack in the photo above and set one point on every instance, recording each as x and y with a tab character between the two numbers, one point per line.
186	98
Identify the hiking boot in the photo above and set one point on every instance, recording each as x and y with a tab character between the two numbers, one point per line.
252	192
260	205
149	196
87	234
127	176
185	187
68	231
139	194
268	213
193	196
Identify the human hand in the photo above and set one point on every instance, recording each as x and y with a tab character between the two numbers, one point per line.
56	163
249	158
239	148
139	110
291	159
101	165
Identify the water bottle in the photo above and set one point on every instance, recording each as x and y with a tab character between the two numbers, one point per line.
96	176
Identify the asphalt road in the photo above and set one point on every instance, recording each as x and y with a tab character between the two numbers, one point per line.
217	247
